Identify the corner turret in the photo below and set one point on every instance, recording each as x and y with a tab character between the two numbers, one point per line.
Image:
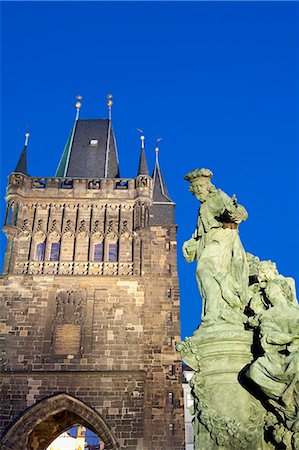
21	167
162	210
142	167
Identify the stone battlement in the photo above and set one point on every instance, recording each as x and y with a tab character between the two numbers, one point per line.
122	188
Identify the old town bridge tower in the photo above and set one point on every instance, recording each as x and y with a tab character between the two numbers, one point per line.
90	301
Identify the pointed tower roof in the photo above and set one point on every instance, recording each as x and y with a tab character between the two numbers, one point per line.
142	167
90	151
160	192
21	167
162	209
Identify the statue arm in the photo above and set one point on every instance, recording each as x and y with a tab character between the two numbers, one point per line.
226	208
237	213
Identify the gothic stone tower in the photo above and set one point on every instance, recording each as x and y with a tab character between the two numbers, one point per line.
90	302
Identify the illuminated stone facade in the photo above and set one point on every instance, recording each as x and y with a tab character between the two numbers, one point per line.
90	308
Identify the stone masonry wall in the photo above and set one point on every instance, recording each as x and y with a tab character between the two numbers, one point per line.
102	331
126	367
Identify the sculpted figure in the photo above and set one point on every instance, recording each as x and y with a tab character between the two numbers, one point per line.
276	372
222	267
266	271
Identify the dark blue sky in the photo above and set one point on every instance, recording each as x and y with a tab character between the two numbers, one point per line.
217	80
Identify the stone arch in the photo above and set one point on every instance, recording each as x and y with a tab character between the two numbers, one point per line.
41	423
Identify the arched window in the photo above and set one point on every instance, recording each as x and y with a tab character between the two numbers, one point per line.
55	251
9	214
15	214
40	251
98	252
112	252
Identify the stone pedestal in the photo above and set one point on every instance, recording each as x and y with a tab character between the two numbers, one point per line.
226	416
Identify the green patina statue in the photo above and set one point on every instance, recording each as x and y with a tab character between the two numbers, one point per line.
245	353
222	268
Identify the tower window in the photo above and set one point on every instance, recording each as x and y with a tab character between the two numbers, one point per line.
94	184
112	252
98	252
66	184
15	216
121	185
168	293
170	371
169	342
54	253
171	429
93	142
40	251
169	317
9	214
39	183
170	398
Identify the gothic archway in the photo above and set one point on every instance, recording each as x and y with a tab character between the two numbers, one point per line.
44	421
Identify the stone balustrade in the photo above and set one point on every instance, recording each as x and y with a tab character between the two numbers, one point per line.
74	268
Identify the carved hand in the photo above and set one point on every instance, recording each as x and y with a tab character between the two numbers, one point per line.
189	250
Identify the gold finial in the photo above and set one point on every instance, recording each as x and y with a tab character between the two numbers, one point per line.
109	103
78	105
26	139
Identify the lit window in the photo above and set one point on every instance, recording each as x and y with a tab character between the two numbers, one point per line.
93	142
54	253
170	371
112	253
98	252
171	428
40	251
170	398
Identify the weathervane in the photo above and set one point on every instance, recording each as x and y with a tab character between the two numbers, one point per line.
142	137
109	103
78	105
157	148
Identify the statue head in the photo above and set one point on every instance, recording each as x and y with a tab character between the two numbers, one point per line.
200	183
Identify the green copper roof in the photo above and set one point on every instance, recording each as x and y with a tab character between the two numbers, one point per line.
63	163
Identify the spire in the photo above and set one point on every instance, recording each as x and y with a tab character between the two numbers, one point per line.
78	106
142	167
162	209
21	167
90	151
109	104
64	160
160	193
